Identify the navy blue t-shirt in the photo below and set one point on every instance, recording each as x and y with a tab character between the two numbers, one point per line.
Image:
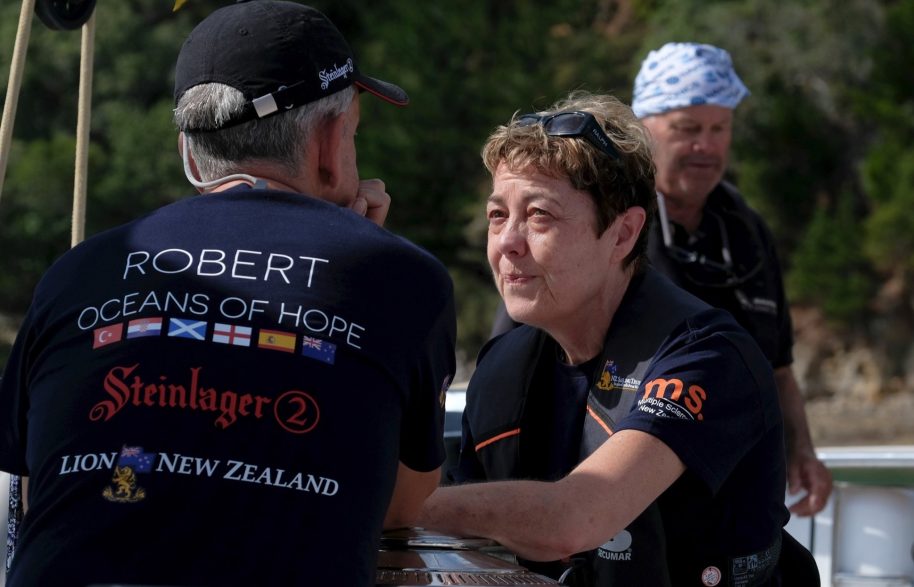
563	420
756	297
220	392
704	389
710	398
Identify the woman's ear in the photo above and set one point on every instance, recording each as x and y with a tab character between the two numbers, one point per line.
625	231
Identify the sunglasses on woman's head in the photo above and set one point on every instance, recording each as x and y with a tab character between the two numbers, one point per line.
572	125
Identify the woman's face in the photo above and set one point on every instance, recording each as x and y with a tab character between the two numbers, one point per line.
550	266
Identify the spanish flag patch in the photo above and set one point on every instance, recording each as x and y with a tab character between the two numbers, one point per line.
276	340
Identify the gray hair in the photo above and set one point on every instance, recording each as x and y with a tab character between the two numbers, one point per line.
277	139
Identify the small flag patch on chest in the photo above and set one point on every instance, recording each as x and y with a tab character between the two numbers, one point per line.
276	340
232	334
316	348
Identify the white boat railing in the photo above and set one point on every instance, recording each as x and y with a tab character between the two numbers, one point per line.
864	537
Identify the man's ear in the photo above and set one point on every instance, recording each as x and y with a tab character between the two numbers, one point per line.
329	160
191	164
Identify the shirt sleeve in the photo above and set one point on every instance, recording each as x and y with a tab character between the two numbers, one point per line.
784	355
706	384
422	429
14	404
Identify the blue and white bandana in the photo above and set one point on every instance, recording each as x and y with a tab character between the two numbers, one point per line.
679	75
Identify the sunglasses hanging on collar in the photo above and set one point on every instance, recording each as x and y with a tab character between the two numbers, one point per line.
713	273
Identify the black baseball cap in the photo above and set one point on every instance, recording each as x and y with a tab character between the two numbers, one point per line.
280	55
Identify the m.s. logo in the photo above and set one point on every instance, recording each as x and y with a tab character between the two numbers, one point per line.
665	391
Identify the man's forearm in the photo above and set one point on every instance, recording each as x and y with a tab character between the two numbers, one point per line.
796	428
804	469
410	491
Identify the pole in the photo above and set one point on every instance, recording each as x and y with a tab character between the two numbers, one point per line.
84	116
15	82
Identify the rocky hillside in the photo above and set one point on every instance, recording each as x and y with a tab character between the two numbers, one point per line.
859	386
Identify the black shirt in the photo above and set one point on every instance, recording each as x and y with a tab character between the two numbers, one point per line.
752	290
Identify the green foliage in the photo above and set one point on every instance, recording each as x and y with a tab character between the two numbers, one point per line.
829	269
139	168
788	155
887	170
890	228
34	215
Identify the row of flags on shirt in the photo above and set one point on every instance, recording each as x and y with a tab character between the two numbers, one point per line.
231	334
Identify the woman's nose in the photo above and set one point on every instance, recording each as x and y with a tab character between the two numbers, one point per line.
512	238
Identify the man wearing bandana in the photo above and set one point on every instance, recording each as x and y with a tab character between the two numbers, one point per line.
707	239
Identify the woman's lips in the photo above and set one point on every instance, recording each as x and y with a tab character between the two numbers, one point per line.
516	278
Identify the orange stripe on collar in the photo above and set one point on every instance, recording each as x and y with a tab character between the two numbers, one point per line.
496	438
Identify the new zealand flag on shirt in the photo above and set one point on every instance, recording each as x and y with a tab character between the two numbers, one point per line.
316	348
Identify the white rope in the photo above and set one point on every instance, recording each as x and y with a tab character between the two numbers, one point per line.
12	89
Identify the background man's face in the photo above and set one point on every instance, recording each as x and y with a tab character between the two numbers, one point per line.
691	147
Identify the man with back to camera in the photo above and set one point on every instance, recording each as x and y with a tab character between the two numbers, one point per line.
708	240
236	388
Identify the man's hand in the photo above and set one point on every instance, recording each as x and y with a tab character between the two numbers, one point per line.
806	472
372	201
